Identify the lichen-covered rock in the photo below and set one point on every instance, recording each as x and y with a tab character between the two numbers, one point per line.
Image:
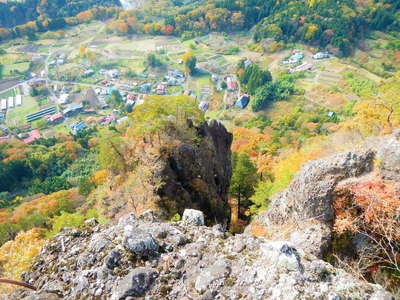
209	264
312	236
310	194
139	242
388	155
193	217
217	271
135	284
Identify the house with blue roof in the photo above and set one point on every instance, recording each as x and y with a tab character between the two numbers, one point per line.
243	101
78	127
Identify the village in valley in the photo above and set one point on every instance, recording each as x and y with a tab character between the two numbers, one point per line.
88	78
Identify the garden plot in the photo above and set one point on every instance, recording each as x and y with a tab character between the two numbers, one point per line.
328	78
142	45
29	48
323	96
170	45
216	64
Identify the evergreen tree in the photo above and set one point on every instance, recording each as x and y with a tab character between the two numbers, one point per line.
244	178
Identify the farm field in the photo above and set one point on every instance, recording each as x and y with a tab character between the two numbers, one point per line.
16	116
12	69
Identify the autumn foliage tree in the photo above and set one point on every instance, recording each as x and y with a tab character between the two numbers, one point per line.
84	16
190	62
17	255
371	210
168	29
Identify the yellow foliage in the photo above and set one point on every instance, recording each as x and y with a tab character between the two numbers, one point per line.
186	56
311	3
285	169
311	32
17	255
82	50
100	177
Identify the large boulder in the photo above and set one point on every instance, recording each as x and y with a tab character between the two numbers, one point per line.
304	212
193	217
305	209
388	156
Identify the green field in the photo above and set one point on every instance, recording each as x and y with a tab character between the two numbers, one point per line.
20	67
197	82
16	116
61	128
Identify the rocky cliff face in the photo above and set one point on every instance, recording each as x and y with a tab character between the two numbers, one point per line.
141	258
304	213
190	172
199	176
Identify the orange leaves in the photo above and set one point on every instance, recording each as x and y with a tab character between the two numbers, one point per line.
72	148
376	198
147	28
371	205
84	16
47	205
397	56
82	50
248	140
123	27
131	20
4	33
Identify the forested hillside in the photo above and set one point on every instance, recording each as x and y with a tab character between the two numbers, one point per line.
337	25
13	13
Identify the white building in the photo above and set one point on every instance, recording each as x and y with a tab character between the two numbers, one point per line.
63	98
3	104
114	73
10	102
321	55
18	100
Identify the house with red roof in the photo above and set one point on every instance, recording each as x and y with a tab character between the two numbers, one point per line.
56	118
161	89
232	85
33	136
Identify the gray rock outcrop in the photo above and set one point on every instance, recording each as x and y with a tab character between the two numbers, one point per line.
193	171
304	212
190	262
